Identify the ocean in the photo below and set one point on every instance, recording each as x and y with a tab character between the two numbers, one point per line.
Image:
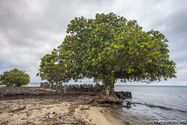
154	105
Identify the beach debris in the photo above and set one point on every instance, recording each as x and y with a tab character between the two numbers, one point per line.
65	122
18	109
81	120
4	123
27	114
70	120
85	108
48	108
101	111
24	118
90	120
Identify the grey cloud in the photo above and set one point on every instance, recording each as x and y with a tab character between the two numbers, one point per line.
31	29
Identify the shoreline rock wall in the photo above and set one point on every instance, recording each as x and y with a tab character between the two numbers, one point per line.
47	90
9	93
73	88
83	88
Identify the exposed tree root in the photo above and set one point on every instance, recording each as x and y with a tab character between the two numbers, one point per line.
18	109
101	98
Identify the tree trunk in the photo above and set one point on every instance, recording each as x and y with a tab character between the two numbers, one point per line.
109	97
17	85
110	90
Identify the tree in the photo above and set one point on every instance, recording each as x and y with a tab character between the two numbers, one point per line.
106	49
14	77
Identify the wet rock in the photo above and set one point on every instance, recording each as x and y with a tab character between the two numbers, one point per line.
128	105
123	94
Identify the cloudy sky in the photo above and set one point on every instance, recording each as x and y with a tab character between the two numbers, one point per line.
29	29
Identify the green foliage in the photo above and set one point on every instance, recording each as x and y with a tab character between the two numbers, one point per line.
108	87
14	77
108	48
103	91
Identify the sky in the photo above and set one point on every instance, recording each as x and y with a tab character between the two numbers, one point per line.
30	29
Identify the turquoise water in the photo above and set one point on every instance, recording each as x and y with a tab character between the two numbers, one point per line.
155	105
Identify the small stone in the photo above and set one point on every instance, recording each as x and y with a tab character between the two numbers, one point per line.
53	112
85	108
23	118
128	105
101	111
48	107
90	120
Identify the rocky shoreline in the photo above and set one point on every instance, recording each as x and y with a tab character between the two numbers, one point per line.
8	93
36	105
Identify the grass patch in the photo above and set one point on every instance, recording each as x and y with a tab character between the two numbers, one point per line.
1	109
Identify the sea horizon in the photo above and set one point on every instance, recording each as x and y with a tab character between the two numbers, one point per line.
140	85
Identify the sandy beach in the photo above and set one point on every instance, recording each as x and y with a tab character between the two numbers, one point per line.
51	111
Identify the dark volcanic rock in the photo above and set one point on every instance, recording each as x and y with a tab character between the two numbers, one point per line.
123	94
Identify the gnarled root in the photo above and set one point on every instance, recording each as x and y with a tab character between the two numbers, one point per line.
18	109
101	98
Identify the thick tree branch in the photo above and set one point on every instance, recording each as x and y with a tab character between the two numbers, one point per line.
89	72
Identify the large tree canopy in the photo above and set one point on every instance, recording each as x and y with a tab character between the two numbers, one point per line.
14	77
106	49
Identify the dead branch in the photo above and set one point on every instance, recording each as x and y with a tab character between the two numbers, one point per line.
65	122
18	109
81	120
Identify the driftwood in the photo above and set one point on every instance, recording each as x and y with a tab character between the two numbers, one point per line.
68	119
64	122
18	109
81	120
71	121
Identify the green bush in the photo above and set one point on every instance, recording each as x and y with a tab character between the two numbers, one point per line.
14	77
